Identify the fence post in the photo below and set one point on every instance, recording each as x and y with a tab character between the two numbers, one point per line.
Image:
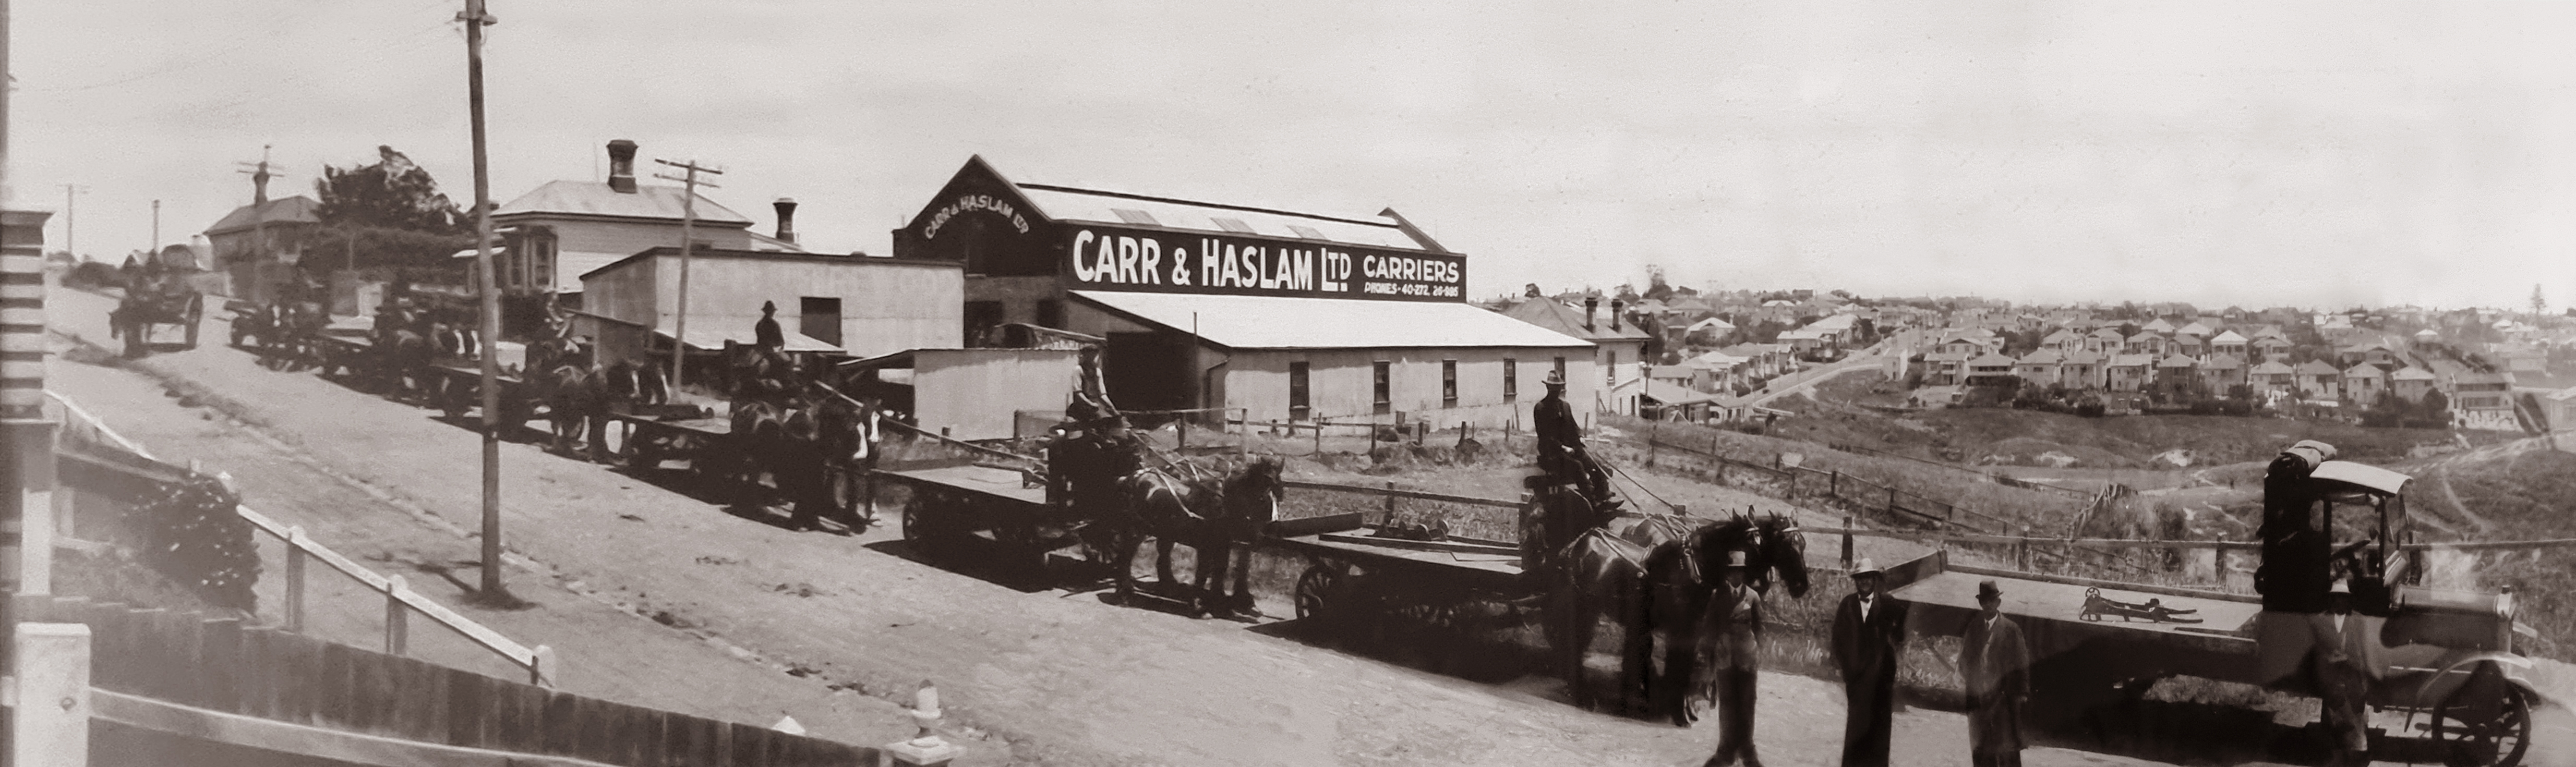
1834	484
1847	542
542	667
50	719
2021	550
397	632
1891	498
1390	504
295	579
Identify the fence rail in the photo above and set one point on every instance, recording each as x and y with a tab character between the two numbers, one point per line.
1868	494
541	662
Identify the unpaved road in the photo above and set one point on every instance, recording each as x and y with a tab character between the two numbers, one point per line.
1047	677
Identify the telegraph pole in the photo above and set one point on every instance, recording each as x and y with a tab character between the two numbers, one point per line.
259	176
688	224
492	592
71	218
156	227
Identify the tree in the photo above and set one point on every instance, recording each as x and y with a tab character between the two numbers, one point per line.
2539	303
1532	291
1656	288
393	193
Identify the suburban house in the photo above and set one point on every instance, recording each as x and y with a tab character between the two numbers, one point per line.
1619	348
1945	369
2427	336
2194	328
2081	370
1762	360
1708	331
2146	342
2320	380
2063	340
2272	377
2363	383
1991	370
2410	383
1805	341
2485	400
2157	325
2229	343
1969	345
2373	352
561	230
2188	345
2272	348
2560	408
251	262
2223	373
2041	368
1714	371
2128	372
2106	341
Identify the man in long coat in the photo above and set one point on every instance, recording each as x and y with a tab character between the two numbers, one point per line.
1560	445
1869	636
1732	628
2346	660
1994	663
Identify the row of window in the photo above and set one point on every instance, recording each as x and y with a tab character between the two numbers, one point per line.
1382	377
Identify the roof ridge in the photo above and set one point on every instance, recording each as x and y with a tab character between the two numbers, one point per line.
1217	205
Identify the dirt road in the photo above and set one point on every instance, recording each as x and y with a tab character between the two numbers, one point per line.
1031	677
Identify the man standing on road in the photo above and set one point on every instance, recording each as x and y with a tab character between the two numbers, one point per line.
1734	624
2346	662
1869	636
1994	665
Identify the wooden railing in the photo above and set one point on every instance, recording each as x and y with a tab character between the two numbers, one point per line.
541	663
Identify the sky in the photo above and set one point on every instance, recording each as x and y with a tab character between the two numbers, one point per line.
2323	155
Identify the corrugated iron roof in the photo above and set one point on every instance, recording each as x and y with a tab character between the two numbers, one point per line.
1273	322
298	209
2229	337
713	338
592	198
1070	204
2364	370
2315	368
1569	321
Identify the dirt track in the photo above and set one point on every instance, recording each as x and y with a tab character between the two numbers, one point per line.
1045	677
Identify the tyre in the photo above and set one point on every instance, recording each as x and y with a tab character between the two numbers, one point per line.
1318	590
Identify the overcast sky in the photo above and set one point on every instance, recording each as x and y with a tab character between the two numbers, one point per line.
2260	154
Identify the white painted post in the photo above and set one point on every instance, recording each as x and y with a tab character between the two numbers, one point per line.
49	717
397	617
544	667
926	749
295	543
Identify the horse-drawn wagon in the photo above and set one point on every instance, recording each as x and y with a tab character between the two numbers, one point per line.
2447	678
952	508
156	299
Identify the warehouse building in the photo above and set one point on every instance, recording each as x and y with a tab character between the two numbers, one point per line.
854	305
1289	316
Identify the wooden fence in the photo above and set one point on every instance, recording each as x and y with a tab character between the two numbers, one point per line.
1862	494
211	680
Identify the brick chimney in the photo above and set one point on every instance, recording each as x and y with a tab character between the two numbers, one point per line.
1591	306
1616	306
786	207
621	166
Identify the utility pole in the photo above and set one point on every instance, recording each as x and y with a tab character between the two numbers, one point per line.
259	176
492	592
71	218
156	227
688	225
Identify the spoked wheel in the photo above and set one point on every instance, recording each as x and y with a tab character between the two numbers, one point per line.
918	532
1317	598
2484	723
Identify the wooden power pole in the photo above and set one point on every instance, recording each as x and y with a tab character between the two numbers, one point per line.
475	20
689	184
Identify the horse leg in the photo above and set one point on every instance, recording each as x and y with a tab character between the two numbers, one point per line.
1574	616
1163	558
1122	561
1637	644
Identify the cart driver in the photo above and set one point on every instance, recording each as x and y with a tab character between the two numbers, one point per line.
1560	446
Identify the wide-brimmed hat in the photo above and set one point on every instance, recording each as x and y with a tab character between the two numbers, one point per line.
1866	567
769	306
1554	379
1986	589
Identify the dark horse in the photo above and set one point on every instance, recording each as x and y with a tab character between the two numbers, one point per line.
1210	515
1655	579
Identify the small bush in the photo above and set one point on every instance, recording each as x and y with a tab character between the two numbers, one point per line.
191	533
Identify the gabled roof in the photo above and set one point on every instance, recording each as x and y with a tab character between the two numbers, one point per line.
1836	323
2411	373
2157	325
1280	322
2482	379
1711	323
2132	360
298	209
2045	356
1802	334
2110	333
596	200
1945	357
2271	369
2062	335
2194	328
1715	361
1751	350
2178	361
2364	370
2315	368
2271	331
1991	360
1560	318
2222	362
2271	341
2229	338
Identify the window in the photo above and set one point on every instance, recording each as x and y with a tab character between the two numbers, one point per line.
1448	383
1299	407
820	319
1384	376
542	251
1511	379
1610	372
982	318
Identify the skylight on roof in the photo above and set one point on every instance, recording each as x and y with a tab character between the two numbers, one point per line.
1134	216
1235	225
1307	232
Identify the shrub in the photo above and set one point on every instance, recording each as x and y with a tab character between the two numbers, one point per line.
190	532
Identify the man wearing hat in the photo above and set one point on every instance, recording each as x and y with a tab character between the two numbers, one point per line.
2346	660
1560	444
1994	666
1869	636
1733	624
765	333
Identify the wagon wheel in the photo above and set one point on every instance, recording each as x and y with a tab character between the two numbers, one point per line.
1025	547
919	531
136	332
454	399
2486	722
642	453
1318	591
196	314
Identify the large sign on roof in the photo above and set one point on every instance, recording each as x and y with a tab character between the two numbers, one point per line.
1113	258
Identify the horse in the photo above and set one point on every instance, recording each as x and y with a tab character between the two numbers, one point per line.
758	432
1208	516
572	397
1679	579
1601	571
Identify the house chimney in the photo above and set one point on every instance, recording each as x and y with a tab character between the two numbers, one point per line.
1616	306
1591	306
621	166
786	218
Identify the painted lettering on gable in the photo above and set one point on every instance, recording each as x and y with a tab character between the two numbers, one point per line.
968	203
